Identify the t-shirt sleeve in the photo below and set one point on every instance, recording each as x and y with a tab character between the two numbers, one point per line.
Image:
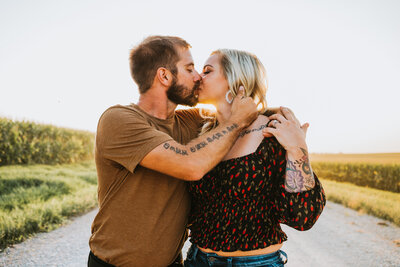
298	210
125	137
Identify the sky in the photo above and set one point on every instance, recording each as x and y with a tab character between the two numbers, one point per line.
336	64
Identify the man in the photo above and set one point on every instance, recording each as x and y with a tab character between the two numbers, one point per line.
145	152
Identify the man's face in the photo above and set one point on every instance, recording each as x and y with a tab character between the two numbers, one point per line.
185	86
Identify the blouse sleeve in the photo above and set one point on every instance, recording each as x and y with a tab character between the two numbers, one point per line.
298	210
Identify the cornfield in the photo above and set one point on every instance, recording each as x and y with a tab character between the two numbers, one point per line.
24	142
379	176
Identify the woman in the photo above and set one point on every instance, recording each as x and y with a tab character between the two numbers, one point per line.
262	181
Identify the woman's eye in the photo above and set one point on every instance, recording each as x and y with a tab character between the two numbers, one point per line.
206	72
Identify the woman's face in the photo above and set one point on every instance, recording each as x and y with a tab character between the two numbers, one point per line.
214	84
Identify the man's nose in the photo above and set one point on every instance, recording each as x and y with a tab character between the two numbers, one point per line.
197	76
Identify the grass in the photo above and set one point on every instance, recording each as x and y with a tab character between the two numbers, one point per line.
379	203
39	198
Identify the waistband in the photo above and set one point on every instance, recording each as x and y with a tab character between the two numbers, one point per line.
212	257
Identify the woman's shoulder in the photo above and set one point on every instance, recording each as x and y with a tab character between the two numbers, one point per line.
256	127
261	120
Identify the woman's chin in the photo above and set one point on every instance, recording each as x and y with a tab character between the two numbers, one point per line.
202	99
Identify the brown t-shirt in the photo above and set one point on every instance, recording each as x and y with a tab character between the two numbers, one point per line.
142	213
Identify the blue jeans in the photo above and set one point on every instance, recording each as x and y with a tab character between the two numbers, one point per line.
198	258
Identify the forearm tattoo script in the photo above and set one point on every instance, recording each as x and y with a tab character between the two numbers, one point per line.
201	144
299	176
252	130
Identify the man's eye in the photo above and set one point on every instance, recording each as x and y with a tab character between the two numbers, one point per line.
190	70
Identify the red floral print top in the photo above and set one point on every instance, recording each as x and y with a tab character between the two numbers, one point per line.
240	204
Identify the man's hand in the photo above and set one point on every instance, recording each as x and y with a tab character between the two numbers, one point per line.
244	110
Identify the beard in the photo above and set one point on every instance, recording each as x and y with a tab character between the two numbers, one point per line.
181	95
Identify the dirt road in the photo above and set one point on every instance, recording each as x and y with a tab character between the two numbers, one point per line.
341	237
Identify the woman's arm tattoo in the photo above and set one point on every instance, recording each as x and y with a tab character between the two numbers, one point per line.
299	176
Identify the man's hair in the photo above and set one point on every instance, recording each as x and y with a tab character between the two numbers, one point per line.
152	53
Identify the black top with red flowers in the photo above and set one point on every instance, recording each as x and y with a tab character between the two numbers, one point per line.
240	204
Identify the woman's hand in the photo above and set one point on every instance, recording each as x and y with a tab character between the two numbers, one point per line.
292	136
287	130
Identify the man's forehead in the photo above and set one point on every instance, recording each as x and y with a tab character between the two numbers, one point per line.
185	57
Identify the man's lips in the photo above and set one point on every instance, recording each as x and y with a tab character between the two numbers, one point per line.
196	92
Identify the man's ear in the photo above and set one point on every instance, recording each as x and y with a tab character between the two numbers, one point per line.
164	76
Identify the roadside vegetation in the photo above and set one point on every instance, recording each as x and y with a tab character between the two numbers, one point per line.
369	183
380	176
379	203
36	197
24	142
39	198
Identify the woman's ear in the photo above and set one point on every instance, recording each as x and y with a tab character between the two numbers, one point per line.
164	76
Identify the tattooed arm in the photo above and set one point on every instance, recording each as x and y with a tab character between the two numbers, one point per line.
299	176
287	130
193	160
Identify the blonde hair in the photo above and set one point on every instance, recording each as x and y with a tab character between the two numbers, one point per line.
240	68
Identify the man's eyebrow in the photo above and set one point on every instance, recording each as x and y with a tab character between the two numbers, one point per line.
190	65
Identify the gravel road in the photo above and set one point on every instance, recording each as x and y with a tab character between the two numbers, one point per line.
341	237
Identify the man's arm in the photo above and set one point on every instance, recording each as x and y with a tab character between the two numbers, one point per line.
193	160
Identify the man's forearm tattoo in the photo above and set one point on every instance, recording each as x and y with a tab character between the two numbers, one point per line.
299	176
201	144
177	150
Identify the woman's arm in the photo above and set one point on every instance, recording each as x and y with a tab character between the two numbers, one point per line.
299	175
299	210
291	135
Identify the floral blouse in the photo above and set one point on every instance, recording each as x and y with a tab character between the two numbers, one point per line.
240	204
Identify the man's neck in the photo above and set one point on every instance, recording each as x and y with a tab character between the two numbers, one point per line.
156	105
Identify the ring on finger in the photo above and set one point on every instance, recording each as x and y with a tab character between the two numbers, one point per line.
273	122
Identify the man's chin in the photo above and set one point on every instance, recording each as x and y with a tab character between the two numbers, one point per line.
188	103
192	104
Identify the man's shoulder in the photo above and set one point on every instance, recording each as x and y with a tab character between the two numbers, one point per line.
121	111
117	116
